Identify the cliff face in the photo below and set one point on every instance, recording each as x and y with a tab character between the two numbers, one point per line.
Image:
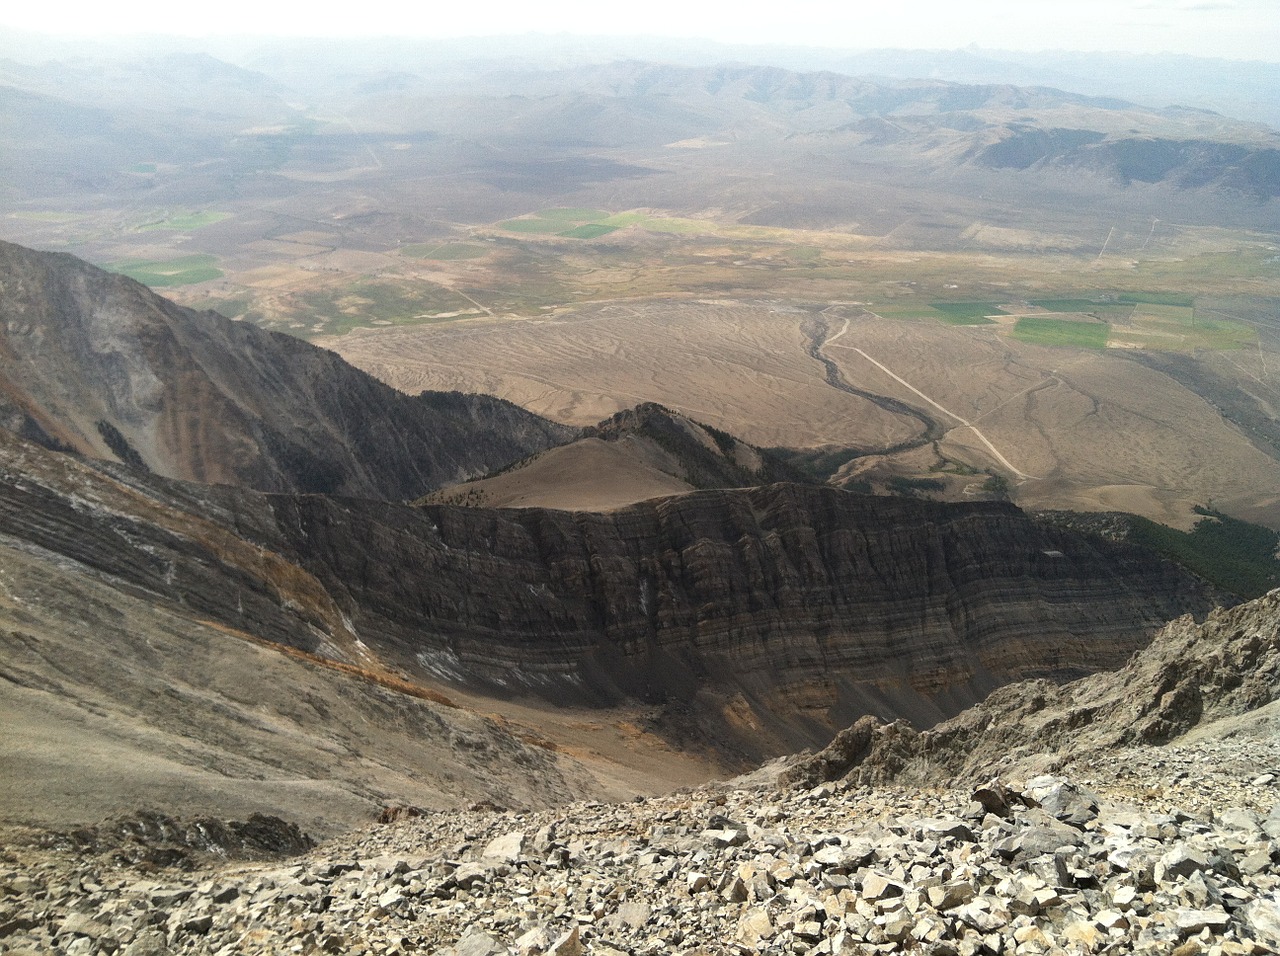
761	618
806	602
96	363
1191	676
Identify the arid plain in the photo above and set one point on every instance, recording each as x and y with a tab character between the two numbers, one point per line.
926	284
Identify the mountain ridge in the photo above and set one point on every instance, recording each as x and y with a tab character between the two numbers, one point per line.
98	363
769	614
643	452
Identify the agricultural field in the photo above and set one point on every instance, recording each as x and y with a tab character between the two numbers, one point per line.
445	251
166	273
566	223
1062	332
185	222
967	313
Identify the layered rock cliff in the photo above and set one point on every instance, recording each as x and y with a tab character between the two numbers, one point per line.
785	600
762	618
1191	675
98	364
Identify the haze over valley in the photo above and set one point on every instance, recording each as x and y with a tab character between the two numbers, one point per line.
1043	277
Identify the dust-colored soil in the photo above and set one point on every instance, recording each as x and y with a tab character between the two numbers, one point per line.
1070	428
738	366
588	475
1097	431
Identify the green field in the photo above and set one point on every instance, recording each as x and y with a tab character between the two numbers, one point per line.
546	227
445	252
967	313
162	273
570	223
1156	298
624	219
591	230
950	313
186	221
1043	331
1069	305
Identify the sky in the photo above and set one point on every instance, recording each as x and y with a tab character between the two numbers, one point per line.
1235	29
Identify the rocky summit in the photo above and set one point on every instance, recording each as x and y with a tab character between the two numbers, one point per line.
1132	845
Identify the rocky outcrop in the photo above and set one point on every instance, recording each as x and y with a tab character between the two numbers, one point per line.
761	619
1046	867
703	456
154	838
1190	675
97	363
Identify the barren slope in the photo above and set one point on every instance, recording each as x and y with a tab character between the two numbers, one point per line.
587	475
97	363
640	453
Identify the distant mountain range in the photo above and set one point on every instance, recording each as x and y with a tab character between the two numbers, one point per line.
92	121
1247	90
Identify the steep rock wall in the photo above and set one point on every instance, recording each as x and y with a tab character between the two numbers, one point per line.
768	616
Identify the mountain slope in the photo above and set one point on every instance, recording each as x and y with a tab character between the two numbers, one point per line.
96	363
640	453
1190	676
755	620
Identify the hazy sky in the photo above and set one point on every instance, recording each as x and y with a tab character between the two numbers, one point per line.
1239	29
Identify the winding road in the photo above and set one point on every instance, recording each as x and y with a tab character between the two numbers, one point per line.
816	331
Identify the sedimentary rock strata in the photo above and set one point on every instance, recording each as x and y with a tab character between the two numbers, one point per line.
1191	675
769	616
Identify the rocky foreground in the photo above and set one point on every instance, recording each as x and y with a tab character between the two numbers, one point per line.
1183	860
1128	846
